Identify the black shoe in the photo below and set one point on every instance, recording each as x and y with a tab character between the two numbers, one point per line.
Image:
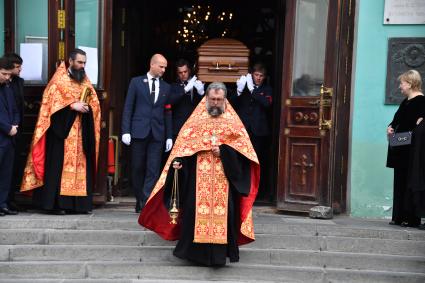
407	224
137	209
2	214
392	222
421	227
56	212
7	211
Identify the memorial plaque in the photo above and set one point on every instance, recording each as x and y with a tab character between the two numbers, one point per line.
399	12
404	53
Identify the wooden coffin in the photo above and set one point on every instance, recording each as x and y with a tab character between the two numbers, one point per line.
222	60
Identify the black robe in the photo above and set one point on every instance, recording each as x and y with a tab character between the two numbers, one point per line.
237	170
415	194
49	197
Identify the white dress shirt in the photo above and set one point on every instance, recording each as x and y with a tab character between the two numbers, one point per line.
156	86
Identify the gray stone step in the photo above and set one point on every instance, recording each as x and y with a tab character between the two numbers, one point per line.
117	281
263	241
176	271
128	222
278	257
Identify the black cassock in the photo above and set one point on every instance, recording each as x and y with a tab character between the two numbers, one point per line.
48	196
237	170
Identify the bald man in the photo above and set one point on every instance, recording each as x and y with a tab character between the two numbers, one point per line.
146	126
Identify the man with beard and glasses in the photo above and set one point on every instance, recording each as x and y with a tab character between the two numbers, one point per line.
61	165
205	193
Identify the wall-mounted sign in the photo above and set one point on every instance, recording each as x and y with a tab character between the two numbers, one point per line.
404	12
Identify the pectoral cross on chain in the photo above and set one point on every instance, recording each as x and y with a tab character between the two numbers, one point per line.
213	139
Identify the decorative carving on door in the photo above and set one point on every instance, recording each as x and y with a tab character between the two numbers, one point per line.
303	169
305	117
304	165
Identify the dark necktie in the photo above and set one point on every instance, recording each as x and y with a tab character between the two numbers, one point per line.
153	90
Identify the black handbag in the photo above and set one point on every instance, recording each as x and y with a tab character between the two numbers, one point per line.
398	139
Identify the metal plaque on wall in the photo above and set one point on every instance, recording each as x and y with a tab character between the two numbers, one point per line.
404	53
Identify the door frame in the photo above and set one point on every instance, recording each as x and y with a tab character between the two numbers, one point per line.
339	55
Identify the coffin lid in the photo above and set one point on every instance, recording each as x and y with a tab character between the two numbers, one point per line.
223	45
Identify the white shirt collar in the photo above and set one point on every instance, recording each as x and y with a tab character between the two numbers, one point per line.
150	77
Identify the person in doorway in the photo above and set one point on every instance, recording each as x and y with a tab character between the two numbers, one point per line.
146	122
17	85
409	114
187	91
9	121
61	165
252	103
217	183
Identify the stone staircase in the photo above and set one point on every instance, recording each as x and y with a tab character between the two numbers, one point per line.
109	246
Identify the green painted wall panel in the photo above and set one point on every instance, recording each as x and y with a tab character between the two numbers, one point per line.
86	23
32	17
371	182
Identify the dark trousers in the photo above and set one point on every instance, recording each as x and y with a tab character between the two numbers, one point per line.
145	167
400	212
18	171
6	170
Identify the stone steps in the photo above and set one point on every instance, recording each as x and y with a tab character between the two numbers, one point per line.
263	241
275	257
114	248
317	229
183	271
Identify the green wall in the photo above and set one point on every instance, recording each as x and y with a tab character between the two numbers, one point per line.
371	182
86	23
1	27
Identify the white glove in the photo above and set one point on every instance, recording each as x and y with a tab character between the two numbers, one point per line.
190	84
249	82
199	87
126	139
240	84
168	145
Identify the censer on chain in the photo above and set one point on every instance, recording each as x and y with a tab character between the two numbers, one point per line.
174	201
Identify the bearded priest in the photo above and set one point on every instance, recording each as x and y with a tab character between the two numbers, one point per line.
61	165
205	193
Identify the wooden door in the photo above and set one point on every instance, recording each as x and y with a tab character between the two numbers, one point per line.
311	100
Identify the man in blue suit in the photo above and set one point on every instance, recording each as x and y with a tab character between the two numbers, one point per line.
9	121
146	123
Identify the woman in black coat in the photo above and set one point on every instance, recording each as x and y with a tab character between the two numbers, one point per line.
410	113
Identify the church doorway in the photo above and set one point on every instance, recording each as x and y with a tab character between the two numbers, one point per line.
142	28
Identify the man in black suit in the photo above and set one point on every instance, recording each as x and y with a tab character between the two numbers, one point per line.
252	103
187	91
146	123
9	121
17	85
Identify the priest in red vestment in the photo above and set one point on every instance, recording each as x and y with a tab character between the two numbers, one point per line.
61	165
217	181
